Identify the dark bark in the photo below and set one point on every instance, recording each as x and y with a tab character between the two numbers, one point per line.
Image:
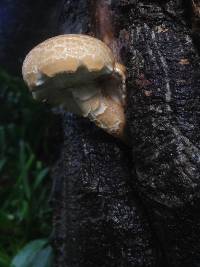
163	118
194	19
97	219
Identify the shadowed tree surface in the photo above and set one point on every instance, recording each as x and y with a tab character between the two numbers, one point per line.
98	221
163	120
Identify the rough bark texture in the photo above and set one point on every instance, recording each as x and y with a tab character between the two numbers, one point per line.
98	221
163	120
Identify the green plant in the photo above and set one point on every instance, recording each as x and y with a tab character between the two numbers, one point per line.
37	253
25	214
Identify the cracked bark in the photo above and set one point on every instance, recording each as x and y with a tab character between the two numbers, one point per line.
163	122
98	218
163	117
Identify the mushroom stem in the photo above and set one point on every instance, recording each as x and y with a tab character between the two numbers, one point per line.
105	111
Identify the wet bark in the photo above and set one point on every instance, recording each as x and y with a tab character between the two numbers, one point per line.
98	219
163	119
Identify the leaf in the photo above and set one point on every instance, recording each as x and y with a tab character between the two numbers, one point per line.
5	222
40	176
2	163
44	258
4	260
2	139
3	263
25	168
28	254
24	210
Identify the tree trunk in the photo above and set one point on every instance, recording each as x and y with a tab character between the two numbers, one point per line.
154	39
163	122
98	219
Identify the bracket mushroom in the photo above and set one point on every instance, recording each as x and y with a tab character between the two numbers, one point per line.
79	73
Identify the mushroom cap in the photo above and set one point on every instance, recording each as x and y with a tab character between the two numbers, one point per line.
78	73
74	58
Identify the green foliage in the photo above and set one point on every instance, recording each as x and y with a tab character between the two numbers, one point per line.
35	254
25	214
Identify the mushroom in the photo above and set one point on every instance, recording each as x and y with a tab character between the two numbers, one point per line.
80	74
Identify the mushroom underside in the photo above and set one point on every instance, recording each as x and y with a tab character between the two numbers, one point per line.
72	90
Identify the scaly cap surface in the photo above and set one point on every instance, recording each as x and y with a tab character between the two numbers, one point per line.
66	54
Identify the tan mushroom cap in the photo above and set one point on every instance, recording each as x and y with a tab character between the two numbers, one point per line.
67	54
